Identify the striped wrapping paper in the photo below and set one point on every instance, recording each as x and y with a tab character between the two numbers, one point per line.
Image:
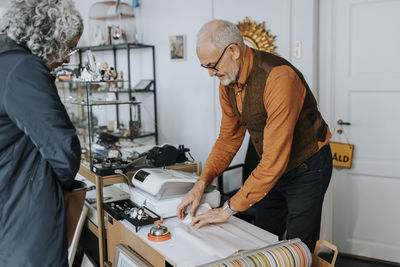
287	253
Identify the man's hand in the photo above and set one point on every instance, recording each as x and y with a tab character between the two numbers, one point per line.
211	216
193	197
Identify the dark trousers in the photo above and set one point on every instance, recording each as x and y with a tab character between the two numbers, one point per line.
295	202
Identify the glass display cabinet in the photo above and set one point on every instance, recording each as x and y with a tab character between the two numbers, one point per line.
100	116
105	106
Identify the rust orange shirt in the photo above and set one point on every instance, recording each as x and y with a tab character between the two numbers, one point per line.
284	95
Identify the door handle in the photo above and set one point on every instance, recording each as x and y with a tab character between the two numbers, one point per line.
341	122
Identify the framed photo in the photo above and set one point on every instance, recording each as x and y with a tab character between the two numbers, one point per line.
125	257
177	47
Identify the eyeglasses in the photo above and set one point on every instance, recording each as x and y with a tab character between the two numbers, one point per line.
214	67
72	51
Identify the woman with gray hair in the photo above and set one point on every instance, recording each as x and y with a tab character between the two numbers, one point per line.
39	150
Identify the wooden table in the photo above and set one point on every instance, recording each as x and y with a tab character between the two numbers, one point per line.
101	181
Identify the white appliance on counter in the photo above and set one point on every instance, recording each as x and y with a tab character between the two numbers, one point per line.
161	190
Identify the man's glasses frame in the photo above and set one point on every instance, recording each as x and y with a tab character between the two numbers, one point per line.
214	67
72	51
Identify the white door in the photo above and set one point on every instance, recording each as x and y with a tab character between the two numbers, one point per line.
360	77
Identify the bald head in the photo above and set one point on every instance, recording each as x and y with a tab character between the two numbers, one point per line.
219	33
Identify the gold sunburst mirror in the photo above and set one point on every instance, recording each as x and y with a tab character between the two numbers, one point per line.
256	36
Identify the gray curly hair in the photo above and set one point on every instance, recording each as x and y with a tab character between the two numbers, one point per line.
44	26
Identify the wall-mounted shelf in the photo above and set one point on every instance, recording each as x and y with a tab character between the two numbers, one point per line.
116	16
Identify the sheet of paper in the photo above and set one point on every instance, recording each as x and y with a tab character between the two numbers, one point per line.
222	240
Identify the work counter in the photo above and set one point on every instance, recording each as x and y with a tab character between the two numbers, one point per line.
178	251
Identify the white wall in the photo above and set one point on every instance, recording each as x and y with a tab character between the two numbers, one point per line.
188	106
185	94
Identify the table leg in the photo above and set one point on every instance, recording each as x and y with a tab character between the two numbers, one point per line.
100	219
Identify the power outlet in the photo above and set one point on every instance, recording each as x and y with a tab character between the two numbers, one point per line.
297	49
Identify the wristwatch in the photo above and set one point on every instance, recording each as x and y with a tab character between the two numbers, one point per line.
226	207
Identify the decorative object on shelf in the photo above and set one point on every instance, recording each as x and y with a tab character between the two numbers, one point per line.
103	72
256	36
115	35
135	4
92	67
103	67
111	126
177	47
64	74
111	22
108	73
85	75
134	127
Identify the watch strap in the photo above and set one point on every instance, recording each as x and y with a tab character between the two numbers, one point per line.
227	208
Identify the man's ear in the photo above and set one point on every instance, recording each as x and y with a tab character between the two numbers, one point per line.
235	51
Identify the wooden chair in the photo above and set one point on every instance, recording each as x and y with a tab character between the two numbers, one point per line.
75	241
321	258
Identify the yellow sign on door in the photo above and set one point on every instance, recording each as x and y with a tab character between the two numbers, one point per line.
342	154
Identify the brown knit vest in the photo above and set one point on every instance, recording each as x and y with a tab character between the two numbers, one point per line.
310	127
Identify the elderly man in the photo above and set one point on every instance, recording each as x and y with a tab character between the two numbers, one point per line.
265	95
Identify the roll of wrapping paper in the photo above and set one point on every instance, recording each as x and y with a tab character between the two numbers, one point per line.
286	253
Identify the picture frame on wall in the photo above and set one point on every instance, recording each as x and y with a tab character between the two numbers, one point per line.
126	257
177	47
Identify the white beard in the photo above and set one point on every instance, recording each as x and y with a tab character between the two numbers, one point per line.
226	82
232	77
